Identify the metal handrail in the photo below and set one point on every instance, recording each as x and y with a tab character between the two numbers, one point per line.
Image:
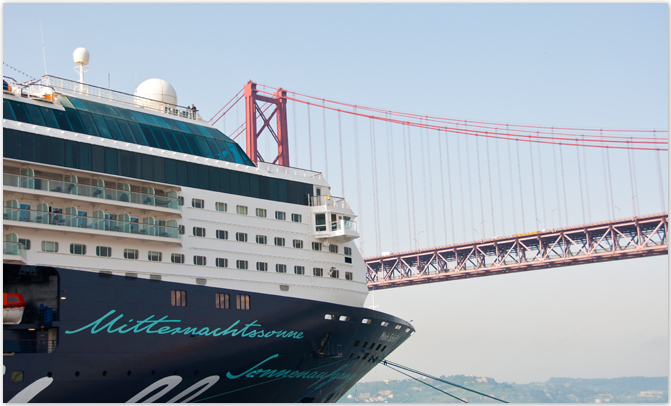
92	223
29	346
58	186
14	248
126	98
327	200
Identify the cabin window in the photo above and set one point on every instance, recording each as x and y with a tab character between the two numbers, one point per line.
222	263
296	218
348	251
178	298
262	266
198	203
299	270
78	249
221	206
317	271
334	273
241	210
49	246
279	241
280	215
298	243
177	258
320	222
281	268
242	237
221	300
156	256
25	242
199	232
240	264
261	239
349	276
130	253
316	246
222	234
199	260
261	213
242	302
333	248
103	251
348	260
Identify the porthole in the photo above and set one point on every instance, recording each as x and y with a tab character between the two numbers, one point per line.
77	373
196	373
104	373
356	343
153	372
49	374
128	373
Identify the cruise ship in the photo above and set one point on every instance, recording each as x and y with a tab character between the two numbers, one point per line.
147	258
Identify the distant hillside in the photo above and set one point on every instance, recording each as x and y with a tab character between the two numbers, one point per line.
557	390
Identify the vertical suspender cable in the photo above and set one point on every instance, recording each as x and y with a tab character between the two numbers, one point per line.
442	187
424	191
582	199
605	181
491	193
512	186
342	167
557	195
326	153
461	186
431	184
662	204
449	184
610	182
519	174
631	180
482	201
633	165
498	170
409	192
541	180
309	136
392	196
533	181
358	179
563	181
584	161
375	190
392	182
470	185
295	148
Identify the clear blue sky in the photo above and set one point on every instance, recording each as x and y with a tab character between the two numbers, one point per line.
577	65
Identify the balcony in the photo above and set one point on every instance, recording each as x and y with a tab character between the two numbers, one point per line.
91	225
57	186
14	253
329	201
338	231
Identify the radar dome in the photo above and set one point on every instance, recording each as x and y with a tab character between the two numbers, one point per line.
81	56
157	89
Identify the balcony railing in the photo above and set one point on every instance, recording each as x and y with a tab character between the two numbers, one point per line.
91	223
59	186
107	94
337	225
332	201
14	248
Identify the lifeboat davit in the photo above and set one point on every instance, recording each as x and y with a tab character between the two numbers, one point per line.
13	306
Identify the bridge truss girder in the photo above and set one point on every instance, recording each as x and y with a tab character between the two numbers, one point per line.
599	242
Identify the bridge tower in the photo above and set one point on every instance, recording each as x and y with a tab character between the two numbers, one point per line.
253	111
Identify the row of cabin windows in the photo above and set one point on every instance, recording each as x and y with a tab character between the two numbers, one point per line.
79	155
244	210
221	300
129	253
242	237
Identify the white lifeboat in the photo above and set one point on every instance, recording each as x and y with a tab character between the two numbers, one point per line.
13	306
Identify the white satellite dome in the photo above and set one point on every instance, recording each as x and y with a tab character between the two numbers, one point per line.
81	56
157	89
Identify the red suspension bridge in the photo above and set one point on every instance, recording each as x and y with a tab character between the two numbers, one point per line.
486	179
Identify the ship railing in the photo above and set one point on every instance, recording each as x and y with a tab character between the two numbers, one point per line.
305	173
14	248
9	84
59	186
28	346
150	228
121	97
40	316
338	225
327	200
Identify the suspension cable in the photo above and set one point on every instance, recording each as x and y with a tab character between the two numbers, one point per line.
426	383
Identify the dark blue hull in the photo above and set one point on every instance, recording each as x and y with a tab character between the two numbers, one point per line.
115	339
